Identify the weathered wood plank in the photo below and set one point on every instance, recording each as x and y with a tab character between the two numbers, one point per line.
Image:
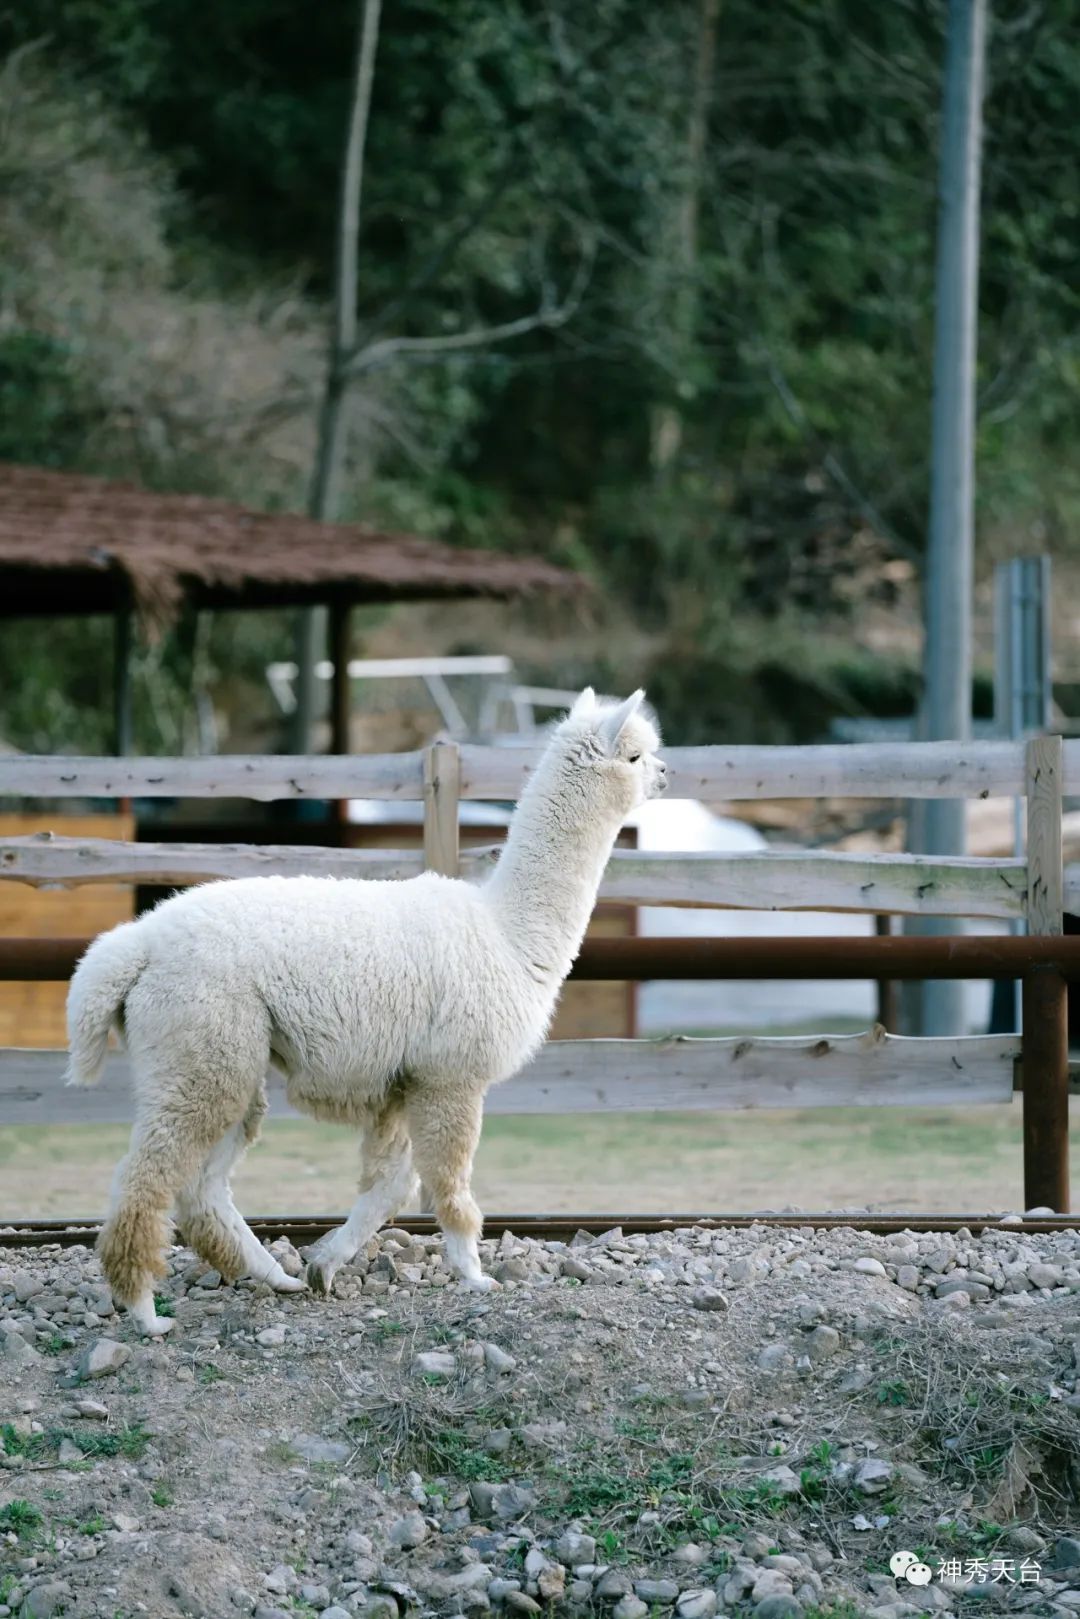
816	880
1046	887
589	1076
442	784
843	770
715	774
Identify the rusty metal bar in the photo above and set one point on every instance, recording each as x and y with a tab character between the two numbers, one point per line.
964	956
1045	1061
302	1229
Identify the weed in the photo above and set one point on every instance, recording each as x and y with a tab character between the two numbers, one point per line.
54	1344
129	1441
20	1517
163	1304
161	1495
451	1452
895	1392
209	1374
279	1450
30	1446
594	1493
92	1526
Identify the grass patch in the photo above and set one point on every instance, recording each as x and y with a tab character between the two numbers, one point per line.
161	1495
20	1518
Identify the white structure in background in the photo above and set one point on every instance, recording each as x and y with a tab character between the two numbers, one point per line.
681	825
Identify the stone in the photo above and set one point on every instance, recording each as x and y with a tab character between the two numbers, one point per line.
512	1501
709	1298
26	1285
512	1270
657	1593
690	1555
521	1602
1040	1275
497	1441
312	1448
1066	1552
498	1360
870	1267
92	1410
629	1607
409	1531
281	1580
542	1435
103	1358
68	1452
551	1582
45	1600
773	1357
873	1475
434	1363
700	1604
18	1352
570	1265
778	1607
271	1337
612	1585
574	1548
782	1480
822	1342
907	1277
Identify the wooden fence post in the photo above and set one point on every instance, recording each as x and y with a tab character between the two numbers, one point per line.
1045	992
442	789
442	850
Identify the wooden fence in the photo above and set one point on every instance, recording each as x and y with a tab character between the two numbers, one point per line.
570	1076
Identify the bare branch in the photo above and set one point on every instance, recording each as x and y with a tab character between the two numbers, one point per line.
374	356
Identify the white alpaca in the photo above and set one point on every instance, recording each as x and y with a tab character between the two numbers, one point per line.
391	1006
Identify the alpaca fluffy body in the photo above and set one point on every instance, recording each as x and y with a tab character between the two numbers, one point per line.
389	1006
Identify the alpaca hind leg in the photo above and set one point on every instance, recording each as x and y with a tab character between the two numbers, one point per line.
445	1130
387	1183
164	1153
214	1226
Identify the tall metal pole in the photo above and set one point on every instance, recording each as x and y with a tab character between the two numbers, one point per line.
948	584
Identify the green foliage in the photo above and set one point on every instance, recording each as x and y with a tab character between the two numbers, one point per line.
20	1518
730	436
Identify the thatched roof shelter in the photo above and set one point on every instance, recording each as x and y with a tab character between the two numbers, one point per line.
73	544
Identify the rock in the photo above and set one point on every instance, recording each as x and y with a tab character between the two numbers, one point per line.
657	1593
103	1358
773	1357
188	1604
434	1363
262	1611
482	1496
125	1523
497	1441
1066	1553
312	1448
17	1351
1040	1275
499	1589
498	1360
521	1602
709	1298
92	1410
613	1585
629	1607
870	1267
281	1580
696	1605
691	1555
242	1599
512	1501
542	1435
574	1548
873	1475
822	1342
68	1452
26	1285
782	1480
551	1581
778	1607
770	1583
45	1600
409	1531
570	1265
907	1277
271	1337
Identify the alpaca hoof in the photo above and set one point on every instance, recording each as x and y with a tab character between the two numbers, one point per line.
320	1276
479	1284
289	1284
155	1326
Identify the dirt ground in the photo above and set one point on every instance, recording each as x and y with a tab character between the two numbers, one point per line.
699	1423
932	1160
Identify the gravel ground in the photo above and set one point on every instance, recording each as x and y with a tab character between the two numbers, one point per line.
695	1424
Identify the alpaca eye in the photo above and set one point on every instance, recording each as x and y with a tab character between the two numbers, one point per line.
634	757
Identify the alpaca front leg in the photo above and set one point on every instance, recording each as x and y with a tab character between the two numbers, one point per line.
445	1132
387	1184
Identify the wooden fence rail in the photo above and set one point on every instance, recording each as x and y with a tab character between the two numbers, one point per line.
573	1076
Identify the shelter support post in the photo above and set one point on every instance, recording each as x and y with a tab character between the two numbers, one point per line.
1046	1090
888	992
123	722
340	613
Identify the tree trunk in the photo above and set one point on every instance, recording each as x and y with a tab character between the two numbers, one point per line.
333	441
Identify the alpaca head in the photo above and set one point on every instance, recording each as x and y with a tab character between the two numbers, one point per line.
611	748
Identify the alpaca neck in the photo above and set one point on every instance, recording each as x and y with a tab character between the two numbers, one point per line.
544	887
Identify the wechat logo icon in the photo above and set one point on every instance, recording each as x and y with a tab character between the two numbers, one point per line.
906	1566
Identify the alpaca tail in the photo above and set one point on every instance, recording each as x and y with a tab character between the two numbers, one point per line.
103	978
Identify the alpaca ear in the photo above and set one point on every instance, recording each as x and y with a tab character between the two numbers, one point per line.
583	704
612	723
